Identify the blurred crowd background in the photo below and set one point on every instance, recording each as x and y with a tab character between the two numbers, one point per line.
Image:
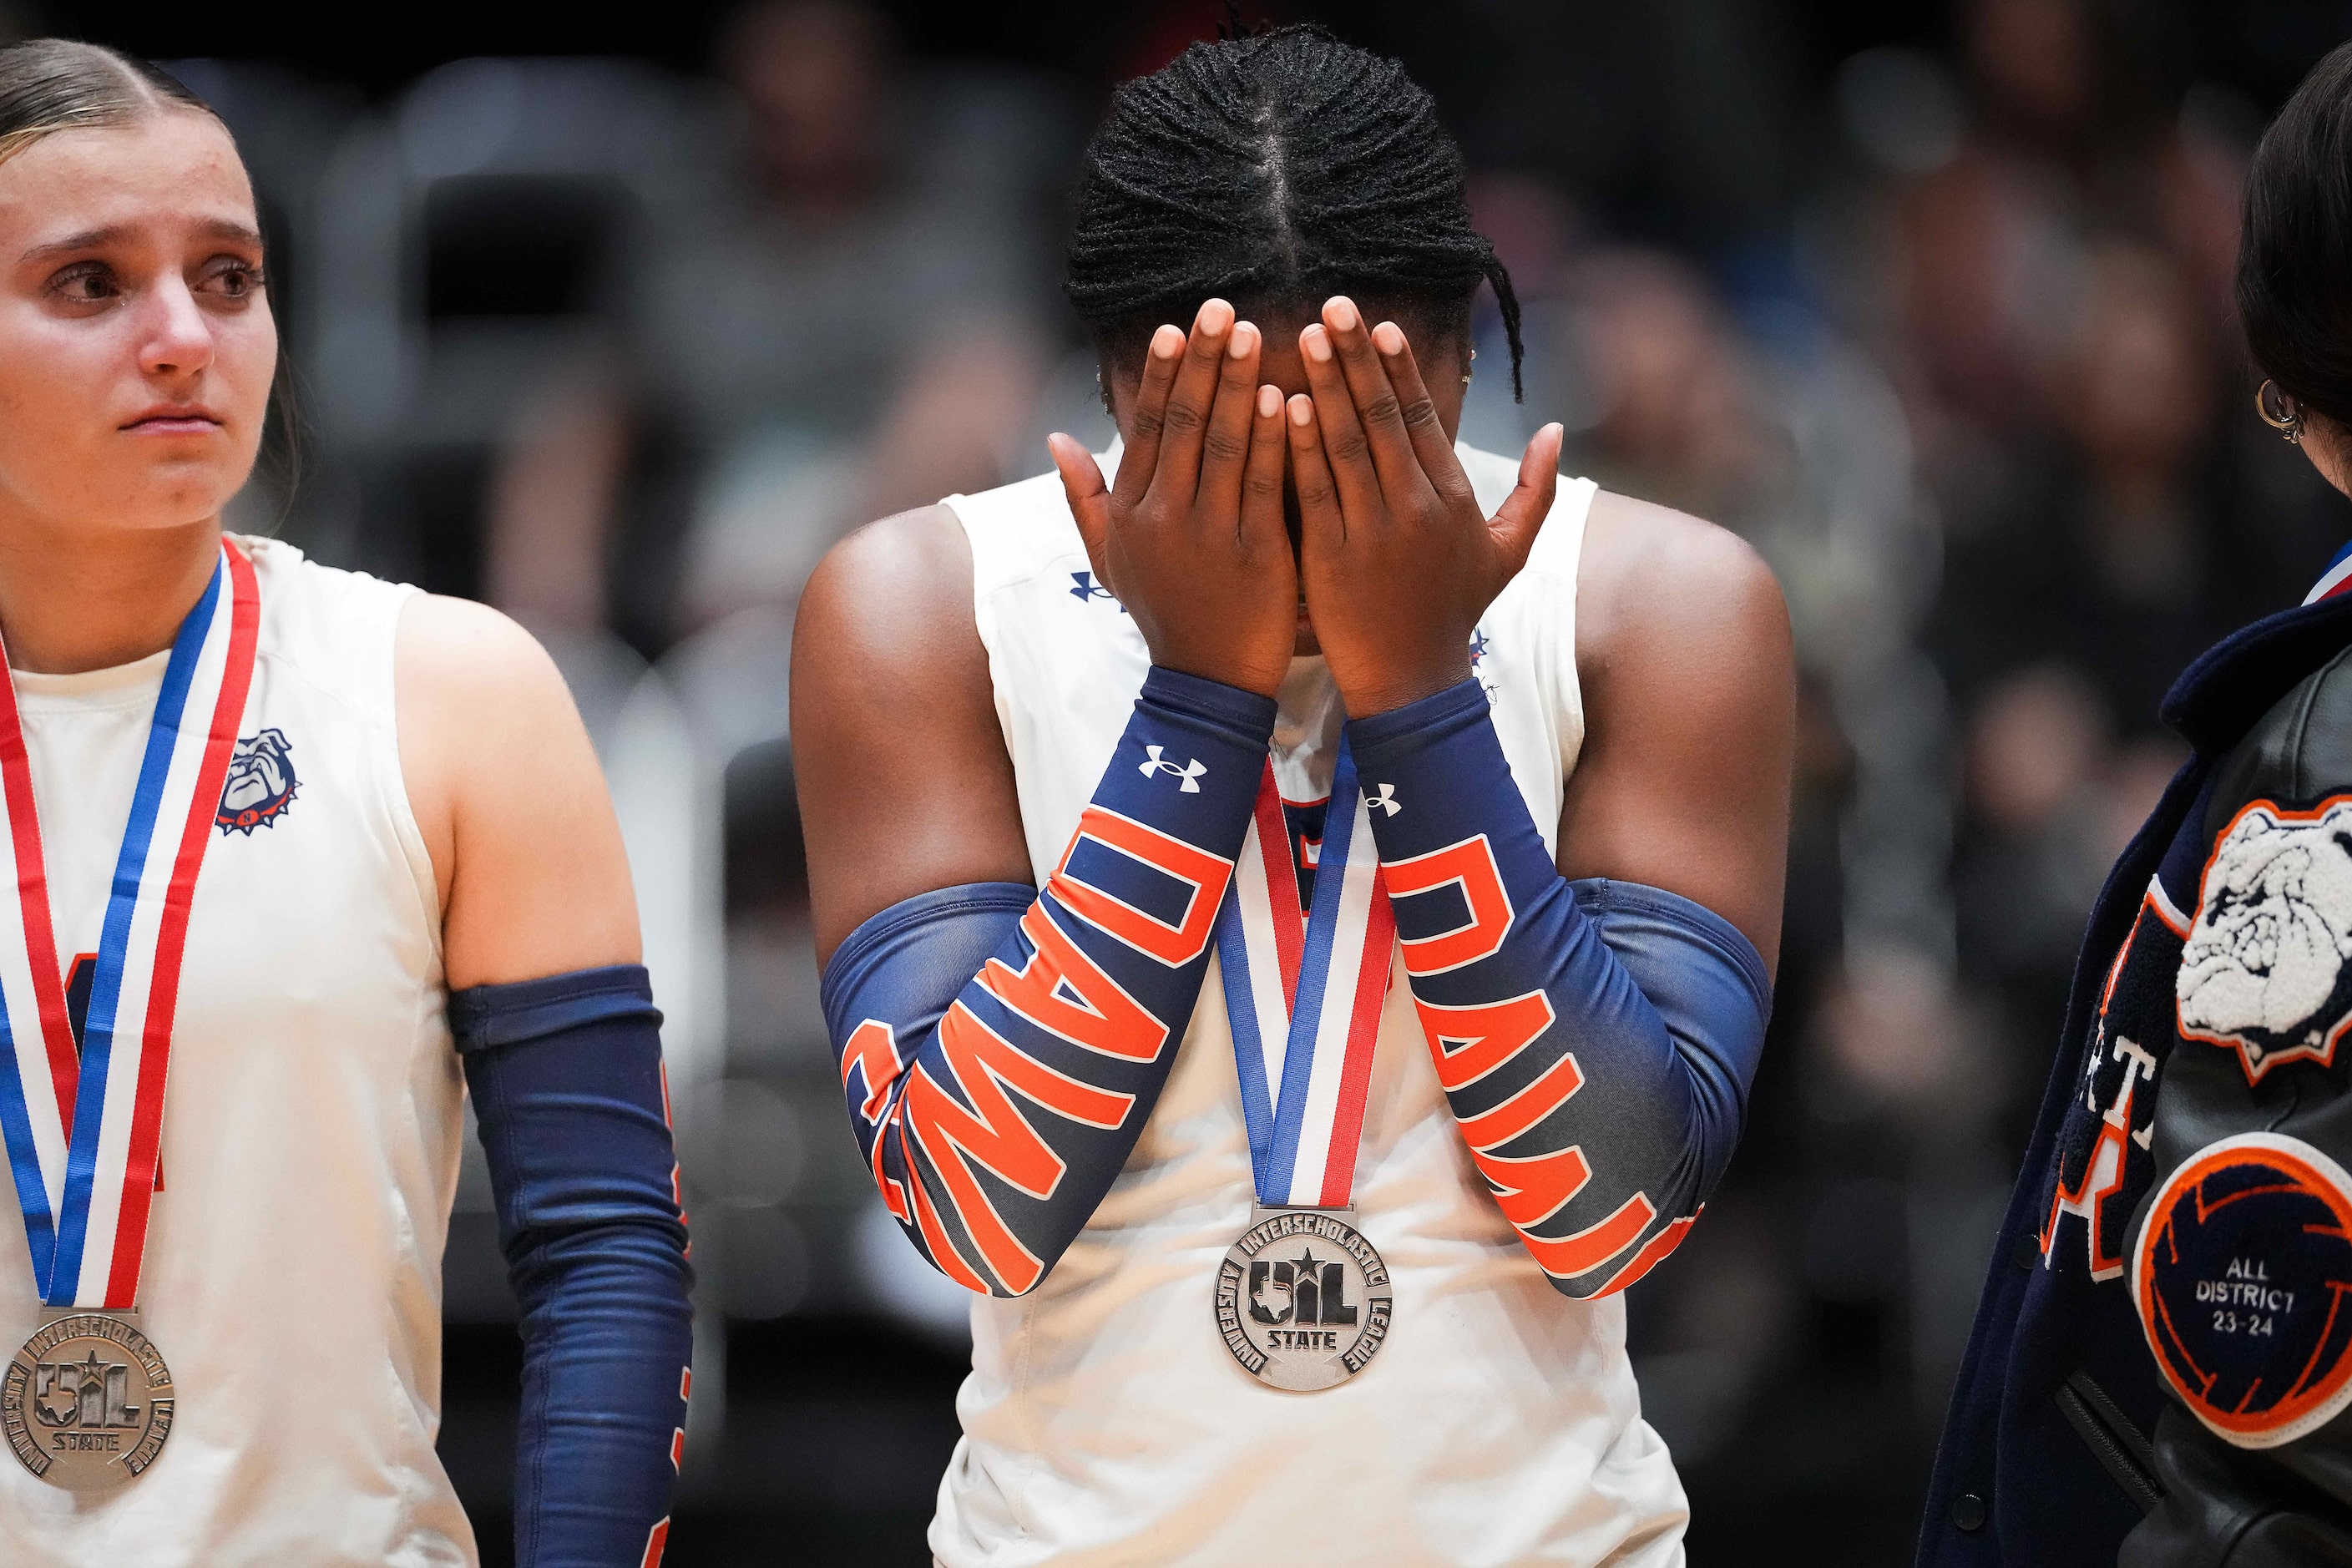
619	321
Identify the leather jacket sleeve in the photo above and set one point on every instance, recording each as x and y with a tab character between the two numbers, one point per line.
2239	1256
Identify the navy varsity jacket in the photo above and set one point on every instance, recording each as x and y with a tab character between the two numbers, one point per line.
2162	1354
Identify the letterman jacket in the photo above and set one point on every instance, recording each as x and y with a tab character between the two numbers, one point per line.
2163	1350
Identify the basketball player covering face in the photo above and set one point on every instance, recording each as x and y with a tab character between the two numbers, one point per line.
1059	744
274	831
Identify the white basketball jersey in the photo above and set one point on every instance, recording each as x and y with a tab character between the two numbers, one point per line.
1104	1420
311	1125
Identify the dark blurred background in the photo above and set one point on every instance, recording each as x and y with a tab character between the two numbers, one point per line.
618	319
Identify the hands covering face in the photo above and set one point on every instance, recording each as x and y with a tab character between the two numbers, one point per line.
1191	539
1397	559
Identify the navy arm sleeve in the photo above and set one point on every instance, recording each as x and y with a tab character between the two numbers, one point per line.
1595	1040
1002	1049
566	1076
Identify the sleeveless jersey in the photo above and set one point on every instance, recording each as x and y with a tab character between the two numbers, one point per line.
311	1120
1104	1420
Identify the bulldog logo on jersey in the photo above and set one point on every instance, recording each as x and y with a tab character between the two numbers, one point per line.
261	784
2267	971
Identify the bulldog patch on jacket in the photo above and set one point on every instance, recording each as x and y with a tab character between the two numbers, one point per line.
2267	969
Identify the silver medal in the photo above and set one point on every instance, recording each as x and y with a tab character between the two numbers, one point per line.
87	1403
1303	1300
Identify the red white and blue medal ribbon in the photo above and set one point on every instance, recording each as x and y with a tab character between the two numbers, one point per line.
2336	580
82	1128
1304	996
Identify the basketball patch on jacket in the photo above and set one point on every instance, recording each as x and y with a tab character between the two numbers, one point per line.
261	784
2241	1276
2267	971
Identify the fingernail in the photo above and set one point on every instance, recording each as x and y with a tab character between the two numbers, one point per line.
1388	339
1215	317
1341	313
1244	338
1302	410
1269	402
1317	344
1167	343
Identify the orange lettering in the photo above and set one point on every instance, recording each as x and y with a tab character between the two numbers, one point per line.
1467	1043
1173	945
874	1047
1470	863
995	1135
1104	1017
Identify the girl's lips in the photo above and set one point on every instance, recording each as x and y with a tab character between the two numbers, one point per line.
173	425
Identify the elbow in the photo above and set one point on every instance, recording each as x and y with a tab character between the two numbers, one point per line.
1577	1269
636	1264
1013	1269
1581	1289
1607	1260
1027	1282
1007	1287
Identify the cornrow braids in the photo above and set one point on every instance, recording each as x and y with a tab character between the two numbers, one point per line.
1286	166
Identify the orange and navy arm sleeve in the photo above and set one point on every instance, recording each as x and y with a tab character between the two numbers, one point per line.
1000	1049
1595	1040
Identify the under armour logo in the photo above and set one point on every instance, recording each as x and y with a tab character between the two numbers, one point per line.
1386	800
1084	586
1186	774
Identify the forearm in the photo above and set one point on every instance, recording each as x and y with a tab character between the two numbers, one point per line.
607	1343
1001	1053
1594	1039
567	1082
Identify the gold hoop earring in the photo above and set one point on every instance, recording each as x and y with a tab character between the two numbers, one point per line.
2278	411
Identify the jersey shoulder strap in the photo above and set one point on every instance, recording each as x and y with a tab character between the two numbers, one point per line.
335	630
1019	531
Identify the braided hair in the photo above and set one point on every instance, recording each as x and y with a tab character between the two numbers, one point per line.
1286	166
